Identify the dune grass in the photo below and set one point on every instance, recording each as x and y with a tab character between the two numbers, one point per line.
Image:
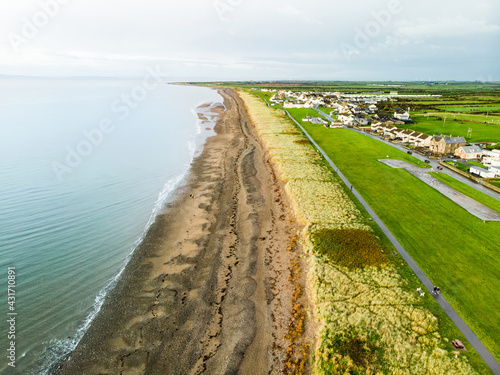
371	319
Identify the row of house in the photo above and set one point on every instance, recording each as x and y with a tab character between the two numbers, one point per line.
413	137
438	144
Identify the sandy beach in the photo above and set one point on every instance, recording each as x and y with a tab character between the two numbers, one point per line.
213	287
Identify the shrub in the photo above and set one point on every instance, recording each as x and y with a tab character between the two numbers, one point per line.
350	352
351	248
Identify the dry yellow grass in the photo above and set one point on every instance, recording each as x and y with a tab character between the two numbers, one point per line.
369	324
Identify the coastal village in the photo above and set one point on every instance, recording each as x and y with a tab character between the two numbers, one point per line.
363	112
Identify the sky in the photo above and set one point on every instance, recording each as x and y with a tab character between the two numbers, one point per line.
211	40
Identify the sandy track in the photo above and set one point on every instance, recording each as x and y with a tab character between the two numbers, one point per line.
208	291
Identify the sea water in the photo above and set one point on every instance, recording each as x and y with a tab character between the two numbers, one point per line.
85	165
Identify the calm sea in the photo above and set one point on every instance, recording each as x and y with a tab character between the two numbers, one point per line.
85	165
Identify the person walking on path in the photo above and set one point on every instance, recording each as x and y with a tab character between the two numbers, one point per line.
435	291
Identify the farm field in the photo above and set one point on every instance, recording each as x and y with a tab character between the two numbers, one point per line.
489	119
456	250
434	125
471	108
445	101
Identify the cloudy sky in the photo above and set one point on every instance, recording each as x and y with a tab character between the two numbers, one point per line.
253	39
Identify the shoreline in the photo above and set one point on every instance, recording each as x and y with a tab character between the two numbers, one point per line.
167	194
207	290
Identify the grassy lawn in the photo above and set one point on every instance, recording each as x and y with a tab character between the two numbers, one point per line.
433	125
327	111
476	163
462	167
299	113
488	201
495	183
456	250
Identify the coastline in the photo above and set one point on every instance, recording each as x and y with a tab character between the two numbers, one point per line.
208	289
206	115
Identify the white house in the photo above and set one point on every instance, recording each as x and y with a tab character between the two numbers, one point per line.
490	157
413	137
495	170
482	172
403	116
376	126
290	104
405	135
423	140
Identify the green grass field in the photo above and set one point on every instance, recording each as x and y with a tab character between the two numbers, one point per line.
475	108
456	250
462	167
489	119
299	113
495	183
476	163
434	125
327	111
488	201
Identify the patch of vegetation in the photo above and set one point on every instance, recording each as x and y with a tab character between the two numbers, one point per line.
351	248
495	183
485	199
302	141
458	165
350	352
476	163
434	125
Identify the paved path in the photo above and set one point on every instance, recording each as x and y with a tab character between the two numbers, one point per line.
461	325
467	203
433	163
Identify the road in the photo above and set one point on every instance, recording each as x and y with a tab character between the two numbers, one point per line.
485	354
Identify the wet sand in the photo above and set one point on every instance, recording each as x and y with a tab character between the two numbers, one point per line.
209	290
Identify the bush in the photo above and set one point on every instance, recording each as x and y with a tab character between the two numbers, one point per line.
350	352
351	248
